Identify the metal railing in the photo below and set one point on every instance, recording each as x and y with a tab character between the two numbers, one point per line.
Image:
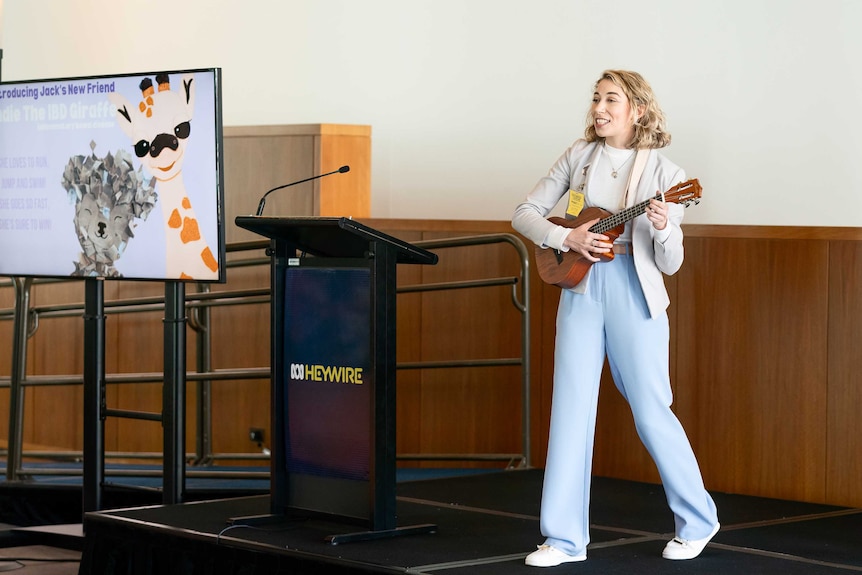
26	319
520	299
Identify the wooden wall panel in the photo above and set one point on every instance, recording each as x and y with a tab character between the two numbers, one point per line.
53	414
139	346
844	412
751	373
469	410
409	330
543	331
7	303
239	405
47	414
764	361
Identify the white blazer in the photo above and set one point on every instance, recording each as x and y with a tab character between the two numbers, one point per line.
655	251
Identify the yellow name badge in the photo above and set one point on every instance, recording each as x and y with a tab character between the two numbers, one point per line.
576	203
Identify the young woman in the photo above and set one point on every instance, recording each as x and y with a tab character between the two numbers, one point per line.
618	310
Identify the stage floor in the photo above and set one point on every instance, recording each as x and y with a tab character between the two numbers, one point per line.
486	523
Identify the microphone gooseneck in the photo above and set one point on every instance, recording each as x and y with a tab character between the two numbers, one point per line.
262	202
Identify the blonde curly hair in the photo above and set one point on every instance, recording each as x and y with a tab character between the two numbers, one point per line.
650	128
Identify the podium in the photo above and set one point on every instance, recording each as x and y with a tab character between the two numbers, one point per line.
333	283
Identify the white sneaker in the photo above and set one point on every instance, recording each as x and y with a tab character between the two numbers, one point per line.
550	556
678	548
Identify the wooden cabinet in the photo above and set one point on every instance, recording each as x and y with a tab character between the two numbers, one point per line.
259	158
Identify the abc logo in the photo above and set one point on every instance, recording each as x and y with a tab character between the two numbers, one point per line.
297	371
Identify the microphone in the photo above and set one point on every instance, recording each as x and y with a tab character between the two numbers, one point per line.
262	203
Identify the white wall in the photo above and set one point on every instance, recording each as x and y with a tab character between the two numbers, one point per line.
470	101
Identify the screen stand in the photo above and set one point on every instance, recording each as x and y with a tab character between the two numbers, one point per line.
95	404
94	394
174	393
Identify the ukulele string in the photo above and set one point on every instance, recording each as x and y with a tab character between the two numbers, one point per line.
622	217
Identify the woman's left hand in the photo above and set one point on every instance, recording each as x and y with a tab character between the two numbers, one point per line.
656	212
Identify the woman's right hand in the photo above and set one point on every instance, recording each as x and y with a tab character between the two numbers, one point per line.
588	244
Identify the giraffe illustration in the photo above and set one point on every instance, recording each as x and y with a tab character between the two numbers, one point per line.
159	128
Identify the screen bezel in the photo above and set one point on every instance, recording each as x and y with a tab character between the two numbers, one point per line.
218	246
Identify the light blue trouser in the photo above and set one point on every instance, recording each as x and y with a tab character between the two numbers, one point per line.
612	317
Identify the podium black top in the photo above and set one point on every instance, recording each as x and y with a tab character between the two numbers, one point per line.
332	237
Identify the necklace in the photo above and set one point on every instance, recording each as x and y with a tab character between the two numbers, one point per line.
615	171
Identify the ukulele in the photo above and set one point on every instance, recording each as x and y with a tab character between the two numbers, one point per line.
567	269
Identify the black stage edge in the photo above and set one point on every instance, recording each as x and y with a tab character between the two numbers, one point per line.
32	503
487	523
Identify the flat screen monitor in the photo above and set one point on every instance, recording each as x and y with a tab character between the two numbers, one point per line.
116	177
